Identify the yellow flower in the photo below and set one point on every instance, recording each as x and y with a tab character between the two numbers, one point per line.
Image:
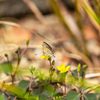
63	69
47	57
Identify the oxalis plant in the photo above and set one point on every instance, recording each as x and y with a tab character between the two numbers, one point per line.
62	83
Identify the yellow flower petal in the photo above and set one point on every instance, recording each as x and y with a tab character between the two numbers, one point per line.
67	68
59	68
42	57
63	66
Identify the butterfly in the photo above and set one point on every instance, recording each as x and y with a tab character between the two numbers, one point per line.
47	50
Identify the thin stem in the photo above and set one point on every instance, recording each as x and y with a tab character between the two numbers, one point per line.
65	89
30	82
15	97
84	75
5	93
3	59
50	72
79	77
30	86
9	66
23	51
7	61
19	59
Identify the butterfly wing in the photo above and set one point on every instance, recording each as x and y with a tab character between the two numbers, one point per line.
47	50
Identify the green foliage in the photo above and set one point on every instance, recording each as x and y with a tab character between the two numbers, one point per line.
75	75
15	90
90	96
72	95
32	69
23	84
2	97
49	88
5	68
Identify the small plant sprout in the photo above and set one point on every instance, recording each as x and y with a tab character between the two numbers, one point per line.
32	69
63	69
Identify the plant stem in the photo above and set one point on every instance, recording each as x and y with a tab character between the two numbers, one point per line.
15	97
30	82
79	77
50	72
30	86
19	59
3	59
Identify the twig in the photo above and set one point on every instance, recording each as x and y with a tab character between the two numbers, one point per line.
5	93
15	97
18	25
50	71
19	58
4	59
23	51
79	77
30	83
39	15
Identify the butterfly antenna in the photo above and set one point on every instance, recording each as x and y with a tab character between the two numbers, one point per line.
38	53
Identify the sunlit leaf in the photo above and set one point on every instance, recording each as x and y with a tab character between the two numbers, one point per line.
15	90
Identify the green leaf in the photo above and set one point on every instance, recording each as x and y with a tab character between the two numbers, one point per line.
90	96
57	93
4	66
40	77
91	13
32	69
41	89
72	95
43	97
24	84
2	96
33	97
15	90
49	88
61	98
